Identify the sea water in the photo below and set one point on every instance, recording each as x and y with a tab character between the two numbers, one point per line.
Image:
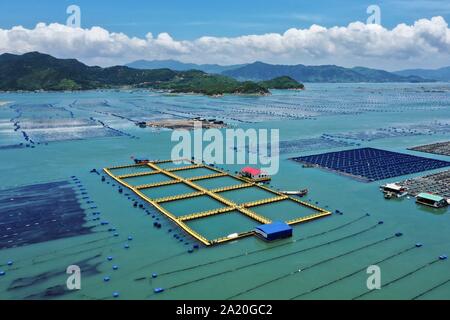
73	133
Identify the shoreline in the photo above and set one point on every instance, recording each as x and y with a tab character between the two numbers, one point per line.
133	90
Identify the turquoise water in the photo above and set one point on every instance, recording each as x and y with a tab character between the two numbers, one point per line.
150	179
76	132
168	191
230	222
241	196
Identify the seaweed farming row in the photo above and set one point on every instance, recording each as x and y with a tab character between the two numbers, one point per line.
419	129
42	124
299	145
40	213
441	148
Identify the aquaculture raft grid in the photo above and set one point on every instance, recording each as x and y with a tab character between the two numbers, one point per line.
438	183
229	206
369	164
441	148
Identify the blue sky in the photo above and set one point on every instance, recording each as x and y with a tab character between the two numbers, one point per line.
189	19
412	33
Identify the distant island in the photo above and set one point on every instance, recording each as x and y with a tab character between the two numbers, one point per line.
441	74
181	66
36	71
259	71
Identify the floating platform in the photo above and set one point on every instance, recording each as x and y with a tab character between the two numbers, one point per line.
431	200
173	177
440	148
437	183
369	164
274	231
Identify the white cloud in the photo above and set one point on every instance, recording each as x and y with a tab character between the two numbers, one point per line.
425	43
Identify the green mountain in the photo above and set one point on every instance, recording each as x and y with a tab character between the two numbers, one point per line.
181	66
284	82
36	71
442	74
260	71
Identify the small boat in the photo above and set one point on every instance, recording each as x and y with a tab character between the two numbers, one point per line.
300	193
388	195
141	161
142	124
391	190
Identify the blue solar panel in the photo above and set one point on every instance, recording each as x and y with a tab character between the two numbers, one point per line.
372	164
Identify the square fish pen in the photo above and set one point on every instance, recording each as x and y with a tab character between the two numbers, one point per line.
209	194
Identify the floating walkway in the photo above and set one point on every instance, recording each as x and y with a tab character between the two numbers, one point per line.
157	184
194	166
135	175
228	205
180	197
206	214
236	187
209	176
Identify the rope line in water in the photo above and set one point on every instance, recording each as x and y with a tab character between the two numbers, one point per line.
431	289
259	250
159	261
284	276
351	274
75	246
31	259
400	278
78	252
273	258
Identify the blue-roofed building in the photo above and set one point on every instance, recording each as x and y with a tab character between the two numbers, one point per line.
274	231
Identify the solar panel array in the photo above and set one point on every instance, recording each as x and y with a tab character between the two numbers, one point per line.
372	164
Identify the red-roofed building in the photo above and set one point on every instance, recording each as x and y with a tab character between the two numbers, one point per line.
253	172
254	175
